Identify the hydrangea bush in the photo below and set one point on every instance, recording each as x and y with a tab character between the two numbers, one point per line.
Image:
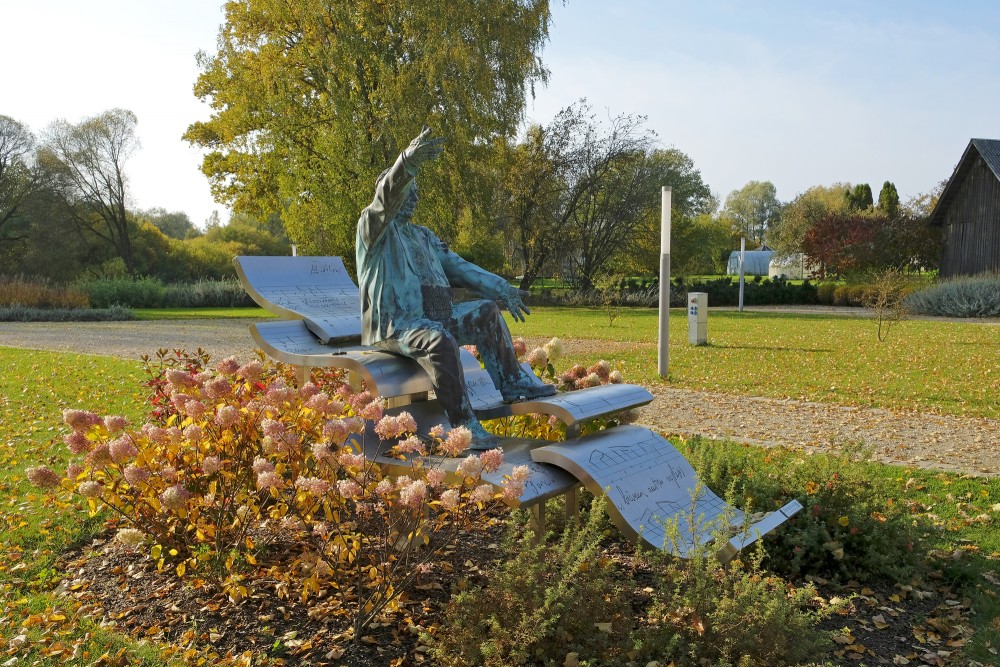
235	462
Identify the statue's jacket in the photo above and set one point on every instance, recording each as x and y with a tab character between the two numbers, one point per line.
399	263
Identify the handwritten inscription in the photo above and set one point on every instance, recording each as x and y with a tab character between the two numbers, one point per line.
651	484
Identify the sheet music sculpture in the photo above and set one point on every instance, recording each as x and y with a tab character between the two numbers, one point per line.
406	275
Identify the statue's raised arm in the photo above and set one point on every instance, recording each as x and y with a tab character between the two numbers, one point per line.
394	185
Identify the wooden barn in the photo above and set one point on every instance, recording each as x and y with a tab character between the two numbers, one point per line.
969	212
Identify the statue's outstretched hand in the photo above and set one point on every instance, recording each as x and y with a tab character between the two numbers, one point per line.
513	299
423	148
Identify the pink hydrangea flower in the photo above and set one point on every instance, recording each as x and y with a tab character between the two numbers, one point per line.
520	473
323	453
411	445
226	416
616	377
388	427
308	390
458	440
413	495
355	424
491	459
320	403
512	491
554	350
602	369
175	497
228	366
538	358
314	485
194	433
520	347
74	470
436	477
180	379
80	420
374	410
99	456
77	442
482	493
218	387
174	435
272	428
592	380
261	465
471	349
194	409
90	489
348	488
122	449
268	480
251	371
336	431
211	465
130	537
43	477
450	499
349	459
383	488
437	431
135	475
470	467
115	424
359	400
168	473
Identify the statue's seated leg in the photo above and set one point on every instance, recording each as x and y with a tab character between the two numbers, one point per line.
481	323
432	346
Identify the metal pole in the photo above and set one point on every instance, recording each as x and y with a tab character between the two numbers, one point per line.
743	248
664	329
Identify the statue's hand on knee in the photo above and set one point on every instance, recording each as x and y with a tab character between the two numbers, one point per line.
513	300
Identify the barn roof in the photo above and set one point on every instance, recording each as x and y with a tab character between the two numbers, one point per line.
989	150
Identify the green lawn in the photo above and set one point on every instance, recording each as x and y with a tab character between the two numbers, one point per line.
934	366
938	366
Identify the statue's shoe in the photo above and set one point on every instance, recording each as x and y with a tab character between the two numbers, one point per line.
527	392
482	439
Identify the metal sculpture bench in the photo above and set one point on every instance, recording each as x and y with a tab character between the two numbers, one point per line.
648	483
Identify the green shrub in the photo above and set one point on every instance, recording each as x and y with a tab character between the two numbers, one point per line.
206	294
849	295
850	527
28	314
128	292
967	296
706	614
40	293
543	603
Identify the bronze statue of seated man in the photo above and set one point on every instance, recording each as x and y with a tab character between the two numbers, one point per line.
406	275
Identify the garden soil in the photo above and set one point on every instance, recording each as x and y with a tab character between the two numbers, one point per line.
944	442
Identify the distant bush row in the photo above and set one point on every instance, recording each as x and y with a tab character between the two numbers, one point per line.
721	292
126	292
40	293
151	293
19	313
967	296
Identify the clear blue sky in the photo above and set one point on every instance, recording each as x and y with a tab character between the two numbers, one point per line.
797	92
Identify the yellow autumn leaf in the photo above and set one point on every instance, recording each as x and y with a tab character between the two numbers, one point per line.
843	521
181	569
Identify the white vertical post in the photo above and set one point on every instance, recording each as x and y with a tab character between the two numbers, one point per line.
743	248
295	251
664	328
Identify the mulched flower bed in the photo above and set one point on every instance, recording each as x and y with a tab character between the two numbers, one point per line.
879	624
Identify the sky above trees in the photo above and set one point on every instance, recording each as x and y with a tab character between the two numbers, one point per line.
796	93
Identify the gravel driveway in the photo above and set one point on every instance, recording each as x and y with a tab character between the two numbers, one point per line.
936	441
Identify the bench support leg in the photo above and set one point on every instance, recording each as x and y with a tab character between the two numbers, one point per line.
537	521
302	374
572	498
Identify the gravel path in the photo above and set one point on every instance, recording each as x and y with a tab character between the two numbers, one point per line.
943	442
